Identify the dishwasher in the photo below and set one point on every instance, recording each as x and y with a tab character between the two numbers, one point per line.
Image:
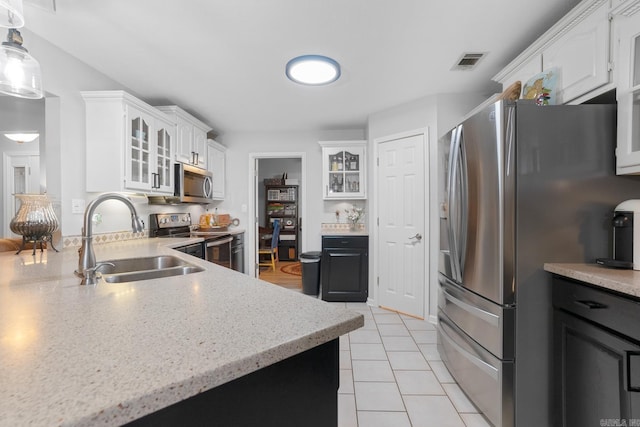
218	250
237	252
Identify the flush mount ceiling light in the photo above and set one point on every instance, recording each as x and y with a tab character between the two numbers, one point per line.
313	70
11	15
19	71
22	137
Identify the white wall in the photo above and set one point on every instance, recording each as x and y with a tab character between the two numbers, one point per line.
438	113
64	77
242	144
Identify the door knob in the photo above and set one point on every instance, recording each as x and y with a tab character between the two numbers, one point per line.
418	237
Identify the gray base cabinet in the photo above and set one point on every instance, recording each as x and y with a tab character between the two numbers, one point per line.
345	268
596	356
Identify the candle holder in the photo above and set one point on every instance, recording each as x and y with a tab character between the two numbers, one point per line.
35	221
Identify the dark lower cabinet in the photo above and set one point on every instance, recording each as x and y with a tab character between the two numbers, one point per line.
299	391
345	268
597	366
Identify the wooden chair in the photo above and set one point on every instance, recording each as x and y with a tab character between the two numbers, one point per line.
273	250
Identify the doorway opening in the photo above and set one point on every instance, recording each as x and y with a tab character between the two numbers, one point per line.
278	197
21	176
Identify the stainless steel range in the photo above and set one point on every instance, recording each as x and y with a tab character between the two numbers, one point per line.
175	225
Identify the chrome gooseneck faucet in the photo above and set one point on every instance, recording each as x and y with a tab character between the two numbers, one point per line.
87	268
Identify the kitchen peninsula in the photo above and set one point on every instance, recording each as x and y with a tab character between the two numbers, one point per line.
114	353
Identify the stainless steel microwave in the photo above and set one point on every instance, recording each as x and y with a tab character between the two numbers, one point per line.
192	184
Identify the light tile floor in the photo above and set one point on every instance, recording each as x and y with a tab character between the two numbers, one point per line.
391	376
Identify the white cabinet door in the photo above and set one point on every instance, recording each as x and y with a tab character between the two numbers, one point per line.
199	147
628	92
138	149
581	56
527	70
184	140
216	164
162	177
128	142
191	136
343	169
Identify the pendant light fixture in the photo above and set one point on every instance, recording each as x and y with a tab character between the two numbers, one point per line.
11	15
313	70
19	71
21	138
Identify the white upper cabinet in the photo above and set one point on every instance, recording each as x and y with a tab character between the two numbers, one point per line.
525	71
578	46
581	55
191	136
344	169
627	46
129	144
216	164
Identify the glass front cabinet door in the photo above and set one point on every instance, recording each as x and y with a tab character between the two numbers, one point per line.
627	28
343	169
162	178
148	152
138	150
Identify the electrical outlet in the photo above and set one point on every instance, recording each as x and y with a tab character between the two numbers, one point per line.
77	206
243	208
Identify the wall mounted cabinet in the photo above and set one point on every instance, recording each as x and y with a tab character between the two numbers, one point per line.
191	136
129	144
344	169
627	36
216	164
578	46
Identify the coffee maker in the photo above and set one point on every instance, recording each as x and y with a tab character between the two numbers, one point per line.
626	237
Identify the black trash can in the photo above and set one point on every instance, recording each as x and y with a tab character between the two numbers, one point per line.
310	272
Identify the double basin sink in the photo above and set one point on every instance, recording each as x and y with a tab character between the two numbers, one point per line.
155	267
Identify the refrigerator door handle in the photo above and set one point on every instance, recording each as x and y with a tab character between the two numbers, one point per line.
464	208
510	134
508	207
453	207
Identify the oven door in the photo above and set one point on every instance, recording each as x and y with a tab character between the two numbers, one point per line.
219	251
195	250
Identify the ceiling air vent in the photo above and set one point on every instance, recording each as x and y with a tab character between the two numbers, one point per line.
468	61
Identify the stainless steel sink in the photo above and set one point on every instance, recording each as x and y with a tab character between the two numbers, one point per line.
156	267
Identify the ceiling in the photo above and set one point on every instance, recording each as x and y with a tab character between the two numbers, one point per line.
224	60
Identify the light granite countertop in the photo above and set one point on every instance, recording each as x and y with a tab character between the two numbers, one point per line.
619	280
212	233
112	353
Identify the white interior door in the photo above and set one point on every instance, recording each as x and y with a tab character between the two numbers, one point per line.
402	241
22	175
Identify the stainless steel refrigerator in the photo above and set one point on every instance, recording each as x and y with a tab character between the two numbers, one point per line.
520	185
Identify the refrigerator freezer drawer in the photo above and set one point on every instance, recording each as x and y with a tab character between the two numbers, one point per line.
489	324
486	380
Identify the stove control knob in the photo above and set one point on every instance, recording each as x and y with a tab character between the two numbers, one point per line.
185	218
164	220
